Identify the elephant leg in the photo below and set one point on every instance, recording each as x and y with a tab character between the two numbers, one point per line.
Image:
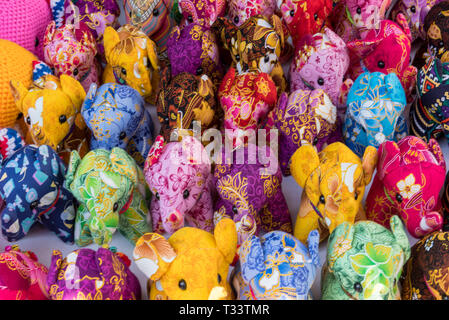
102	229
82	231
133	222
61	220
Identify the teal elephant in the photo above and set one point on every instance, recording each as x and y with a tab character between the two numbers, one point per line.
112	194
365	261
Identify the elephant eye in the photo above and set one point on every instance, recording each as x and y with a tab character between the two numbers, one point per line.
75	72
236	19
19	116
320	81
122	135
399	197
413	9
237	57
315	16
34	204
190	18
356	195
441	44
155	12
157	195
199	71
359	10
115	206
219	278
182	284
322	200
28	120
186	194
123	71
315	141
62	118
292	13
381	64
36	42
234	209
266	58
358	287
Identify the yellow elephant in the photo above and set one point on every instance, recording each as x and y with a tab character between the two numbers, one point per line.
334	182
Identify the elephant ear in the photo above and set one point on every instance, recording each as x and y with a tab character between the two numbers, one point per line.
251	257
435	148
74	163
73	88
389	158
279	28
225	235
110	38
49	33
369	162
153	255
123	164
397	228
339	243
18	91
303	162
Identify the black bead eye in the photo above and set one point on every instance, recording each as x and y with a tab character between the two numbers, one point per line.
75	72
413	9
399	197
34	204
36	42
358	287
322	200
166	120
356	196
219	278
182	284
28	120
62	118
155	12
237	57
199	71
115	206
123	71
236	19
122	135
19	116
315	16
267	58
186	194
190	18
320	81
381	64
359	10
157	196
315	141
444	298
234	209
292	13
441	44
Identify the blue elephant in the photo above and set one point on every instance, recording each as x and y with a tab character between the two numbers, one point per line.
277	266
117	117
376	103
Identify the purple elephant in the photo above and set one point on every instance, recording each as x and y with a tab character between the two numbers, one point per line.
248	182
86	274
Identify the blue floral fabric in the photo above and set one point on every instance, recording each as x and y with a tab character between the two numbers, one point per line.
32	186
278	266
117	117
376	103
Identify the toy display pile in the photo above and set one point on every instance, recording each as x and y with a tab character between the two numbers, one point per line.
246	93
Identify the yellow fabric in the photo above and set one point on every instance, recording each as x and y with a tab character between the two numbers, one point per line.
335	175
15	63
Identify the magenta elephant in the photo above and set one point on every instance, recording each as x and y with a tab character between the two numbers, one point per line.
249	189
179	176
410	176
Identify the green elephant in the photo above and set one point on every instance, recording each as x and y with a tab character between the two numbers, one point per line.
365	261
112	194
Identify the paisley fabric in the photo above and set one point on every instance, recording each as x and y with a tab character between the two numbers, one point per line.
249	193
22	277
117	117
203	12
239	11
364	261
32	186
303	117
429	115
410	176
181	182
86	274
111	192
277	266
425	274
436	24
72	50
376	103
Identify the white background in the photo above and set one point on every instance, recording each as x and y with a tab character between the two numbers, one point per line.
42	241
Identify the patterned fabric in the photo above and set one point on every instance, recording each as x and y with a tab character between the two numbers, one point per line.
333	183
203	12
321	62
410	176
32	186
277	267
304	117
386	50
364	261
193	49
304	17
51	110
250	194
181	182
10	142
240	11
436	26
184	99
429	114
425	274
192	264
376	103
71	50
117	117
22	277
86	274
155	17
132	60
255	46
110	189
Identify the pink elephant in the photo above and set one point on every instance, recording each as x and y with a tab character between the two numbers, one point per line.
410	176
179	176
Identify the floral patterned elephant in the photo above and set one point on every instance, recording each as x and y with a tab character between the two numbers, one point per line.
203	12
364	261
410	176
112	194
277	266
